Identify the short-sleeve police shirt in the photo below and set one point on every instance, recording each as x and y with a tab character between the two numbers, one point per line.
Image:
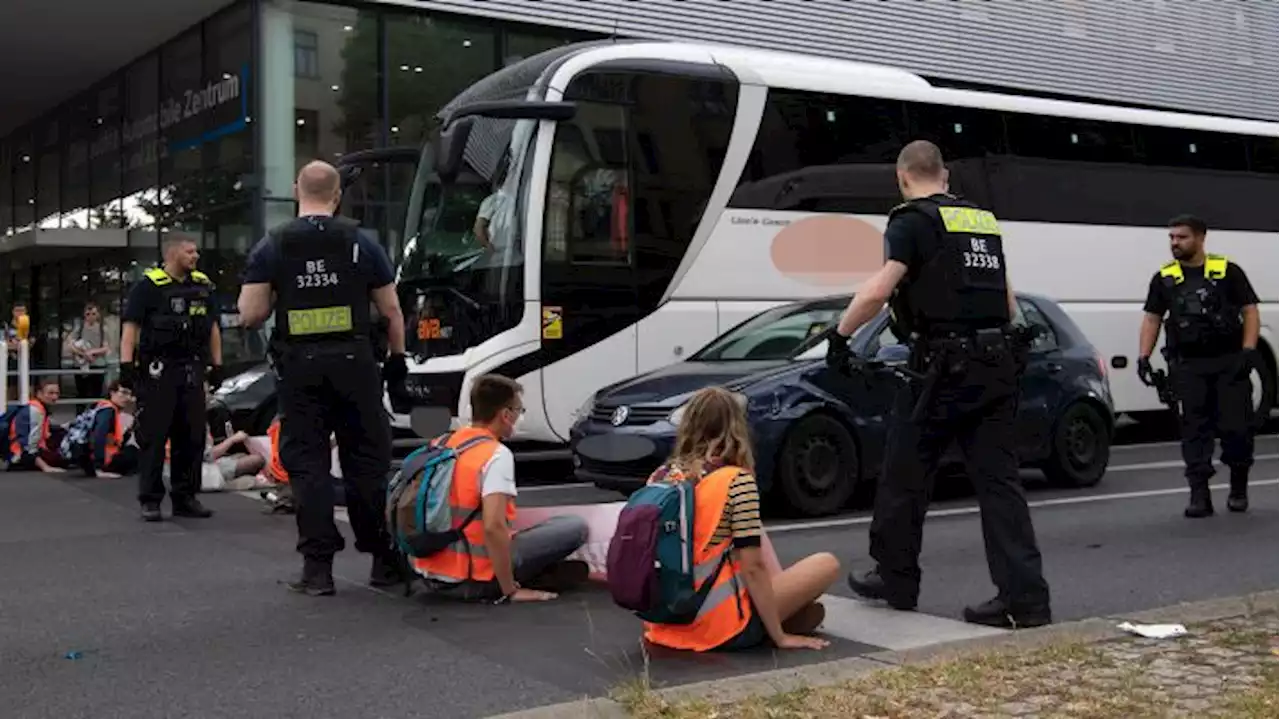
907	239
1236	283
145	298
374	263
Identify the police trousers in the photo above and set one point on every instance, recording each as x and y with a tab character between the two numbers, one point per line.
973	402
334	389
1216	397
171	408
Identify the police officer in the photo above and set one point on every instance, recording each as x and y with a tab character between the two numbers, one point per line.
324	271
1211	346
169	346
951	302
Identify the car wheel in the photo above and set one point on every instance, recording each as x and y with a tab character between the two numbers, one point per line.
1081	448
818	466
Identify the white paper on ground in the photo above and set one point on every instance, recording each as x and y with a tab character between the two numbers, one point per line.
1153	631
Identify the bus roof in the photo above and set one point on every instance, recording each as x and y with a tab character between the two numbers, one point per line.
773	68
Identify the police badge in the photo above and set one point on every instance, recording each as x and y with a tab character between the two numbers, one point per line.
178	305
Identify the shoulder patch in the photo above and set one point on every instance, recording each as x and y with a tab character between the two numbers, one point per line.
158	276
201	277
1168	264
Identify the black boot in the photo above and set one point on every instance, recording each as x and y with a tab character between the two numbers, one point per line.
1238	499
316	580
872	586
151	512
1201	504
996	613
190	507
388	570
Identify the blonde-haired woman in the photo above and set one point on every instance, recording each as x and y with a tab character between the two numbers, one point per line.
746	605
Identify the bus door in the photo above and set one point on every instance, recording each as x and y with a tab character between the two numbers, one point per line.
589	300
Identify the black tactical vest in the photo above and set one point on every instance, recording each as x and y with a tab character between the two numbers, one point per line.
321	294
1202	321
961	284
179	329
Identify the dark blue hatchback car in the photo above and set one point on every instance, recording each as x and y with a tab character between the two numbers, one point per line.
819	436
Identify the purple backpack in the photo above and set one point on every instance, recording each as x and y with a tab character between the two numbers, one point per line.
650	560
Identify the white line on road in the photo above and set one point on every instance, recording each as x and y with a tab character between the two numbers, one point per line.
881	626
553	487
1158	445
1171	463
960	511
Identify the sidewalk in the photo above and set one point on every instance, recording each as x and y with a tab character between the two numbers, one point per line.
1226	666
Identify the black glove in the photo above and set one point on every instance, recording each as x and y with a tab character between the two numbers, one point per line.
838	354
1144	370
128	374
1250	360
395	370
215	376
394	373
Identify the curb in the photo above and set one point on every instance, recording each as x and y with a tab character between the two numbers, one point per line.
826	673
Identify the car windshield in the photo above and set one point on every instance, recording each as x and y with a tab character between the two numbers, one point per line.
777	334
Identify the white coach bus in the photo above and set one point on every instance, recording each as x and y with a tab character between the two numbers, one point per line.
639	198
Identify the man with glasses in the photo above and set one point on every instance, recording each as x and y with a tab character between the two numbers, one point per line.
490	563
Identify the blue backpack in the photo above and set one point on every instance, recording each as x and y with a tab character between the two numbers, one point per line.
650	567
419	516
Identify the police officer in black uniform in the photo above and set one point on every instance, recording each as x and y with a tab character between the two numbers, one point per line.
169	346
951	302
1211	346
324	271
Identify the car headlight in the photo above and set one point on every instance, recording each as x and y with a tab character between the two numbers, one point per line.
585	409
676	415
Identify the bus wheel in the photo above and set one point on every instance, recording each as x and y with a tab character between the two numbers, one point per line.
818	466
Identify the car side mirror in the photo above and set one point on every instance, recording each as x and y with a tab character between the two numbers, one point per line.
893	354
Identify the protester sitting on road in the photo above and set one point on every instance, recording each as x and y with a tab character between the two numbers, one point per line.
111	453
30	444
281	497
713	436
221	468
492	563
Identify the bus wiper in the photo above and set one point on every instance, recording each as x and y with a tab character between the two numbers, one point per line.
433	285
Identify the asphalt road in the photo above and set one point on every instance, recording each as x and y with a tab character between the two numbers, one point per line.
104	616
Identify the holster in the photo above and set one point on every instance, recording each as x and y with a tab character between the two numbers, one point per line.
950	354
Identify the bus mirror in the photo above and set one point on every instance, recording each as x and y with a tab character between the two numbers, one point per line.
449	148
349	174
516	110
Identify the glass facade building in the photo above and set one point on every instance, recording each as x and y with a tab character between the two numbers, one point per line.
203	136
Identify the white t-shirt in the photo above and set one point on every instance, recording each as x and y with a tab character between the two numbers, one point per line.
498	476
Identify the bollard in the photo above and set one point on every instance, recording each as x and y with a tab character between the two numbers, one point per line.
4	374
24	372
24	359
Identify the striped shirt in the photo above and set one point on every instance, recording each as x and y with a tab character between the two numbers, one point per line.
741	519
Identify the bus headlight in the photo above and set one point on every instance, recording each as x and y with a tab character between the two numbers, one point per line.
676	415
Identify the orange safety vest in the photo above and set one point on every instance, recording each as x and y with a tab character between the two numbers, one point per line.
727	609
466	558
277	467
115	436
15	446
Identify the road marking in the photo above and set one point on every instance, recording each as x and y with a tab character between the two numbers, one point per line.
1158	445
552	487
960	511
881	626
1171	463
